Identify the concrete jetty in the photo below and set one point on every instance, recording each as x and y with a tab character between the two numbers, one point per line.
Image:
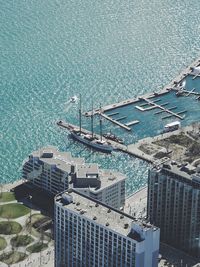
132	150
165	90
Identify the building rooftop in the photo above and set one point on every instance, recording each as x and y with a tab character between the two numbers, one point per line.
64	161
107	177
51	155
184	170
87	170
103	214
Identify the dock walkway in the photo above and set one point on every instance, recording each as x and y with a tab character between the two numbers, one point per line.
130	149
154	105
115	122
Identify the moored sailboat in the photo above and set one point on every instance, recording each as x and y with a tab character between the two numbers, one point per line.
89	139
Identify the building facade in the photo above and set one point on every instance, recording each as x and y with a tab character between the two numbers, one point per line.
50	169
174	206
55	171
89	233
104	185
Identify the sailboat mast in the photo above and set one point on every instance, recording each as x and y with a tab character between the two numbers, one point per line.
80	121
92	121
100	121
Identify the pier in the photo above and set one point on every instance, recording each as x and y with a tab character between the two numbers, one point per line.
144	103
115	122
154	105
132	123
195	75
150	101
187	93
132	150
161	111
165	90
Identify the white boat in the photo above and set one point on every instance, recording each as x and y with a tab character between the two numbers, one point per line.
173	126
92	142
73	99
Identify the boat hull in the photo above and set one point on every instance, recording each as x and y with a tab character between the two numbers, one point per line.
103	148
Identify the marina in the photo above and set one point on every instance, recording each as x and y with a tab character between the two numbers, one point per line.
171	86
145	117
129	113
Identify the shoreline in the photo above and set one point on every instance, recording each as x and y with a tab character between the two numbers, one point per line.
9	186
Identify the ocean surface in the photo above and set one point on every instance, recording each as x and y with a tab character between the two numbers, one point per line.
106	50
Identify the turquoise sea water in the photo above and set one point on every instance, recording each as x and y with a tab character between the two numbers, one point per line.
107	50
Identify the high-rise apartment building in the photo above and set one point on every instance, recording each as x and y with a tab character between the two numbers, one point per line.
55	171
174	205
90	233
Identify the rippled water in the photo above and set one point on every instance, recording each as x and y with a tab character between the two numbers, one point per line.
107	50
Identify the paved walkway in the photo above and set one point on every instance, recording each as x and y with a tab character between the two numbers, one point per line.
44	258
136	204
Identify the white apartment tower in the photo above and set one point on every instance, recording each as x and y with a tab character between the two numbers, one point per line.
55	171
90	233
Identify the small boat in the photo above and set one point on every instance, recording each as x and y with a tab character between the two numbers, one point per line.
73	99
113	137
180	93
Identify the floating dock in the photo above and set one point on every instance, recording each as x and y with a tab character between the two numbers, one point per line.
132	123
195	76
121	118
115	122
112	114
154	105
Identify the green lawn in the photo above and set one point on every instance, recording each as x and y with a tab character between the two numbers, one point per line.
13	210
7	196
21	240
9	228
37	247
3	243
12	257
